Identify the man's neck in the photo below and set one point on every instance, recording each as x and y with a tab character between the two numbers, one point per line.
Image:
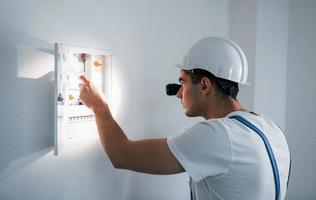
220	110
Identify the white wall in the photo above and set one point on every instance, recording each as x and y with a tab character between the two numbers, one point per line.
271	55
301	97
147	37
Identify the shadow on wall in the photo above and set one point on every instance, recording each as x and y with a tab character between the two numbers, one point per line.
26	101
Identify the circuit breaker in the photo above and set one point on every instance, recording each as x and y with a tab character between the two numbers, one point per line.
72	119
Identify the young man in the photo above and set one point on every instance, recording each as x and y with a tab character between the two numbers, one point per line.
232	154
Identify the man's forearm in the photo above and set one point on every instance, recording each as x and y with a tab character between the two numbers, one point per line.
111	135
148	156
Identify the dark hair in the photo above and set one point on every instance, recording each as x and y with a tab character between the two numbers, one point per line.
224	88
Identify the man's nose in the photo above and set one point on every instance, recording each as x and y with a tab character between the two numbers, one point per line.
179	93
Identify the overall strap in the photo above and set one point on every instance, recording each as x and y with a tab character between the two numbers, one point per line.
269	151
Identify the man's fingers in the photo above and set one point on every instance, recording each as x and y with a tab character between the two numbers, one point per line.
84	87
84	79
81	85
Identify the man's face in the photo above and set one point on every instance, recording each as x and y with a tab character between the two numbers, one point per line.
189	95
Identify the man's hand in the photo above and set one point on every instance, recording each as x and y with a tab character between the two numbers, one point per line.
91	96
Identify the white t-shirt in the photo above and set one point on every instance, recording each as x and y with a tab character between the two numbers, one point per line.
227	160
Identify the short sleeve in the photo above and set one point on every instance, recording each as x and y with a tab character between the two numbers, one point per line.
203	149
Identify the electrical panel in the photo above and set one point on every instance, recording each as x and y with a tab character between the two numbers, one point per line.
72	119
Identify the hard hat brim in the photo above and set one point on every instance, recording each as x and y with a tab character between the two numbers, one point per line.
180	66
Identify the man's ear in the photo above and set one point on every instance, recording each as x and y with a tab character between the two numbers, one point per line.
206	85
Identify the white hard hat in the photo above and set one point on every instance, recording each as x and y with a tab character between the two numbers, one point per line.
220	56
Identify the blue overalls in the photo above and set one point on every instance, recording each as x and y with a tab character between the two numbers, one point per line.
269	151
